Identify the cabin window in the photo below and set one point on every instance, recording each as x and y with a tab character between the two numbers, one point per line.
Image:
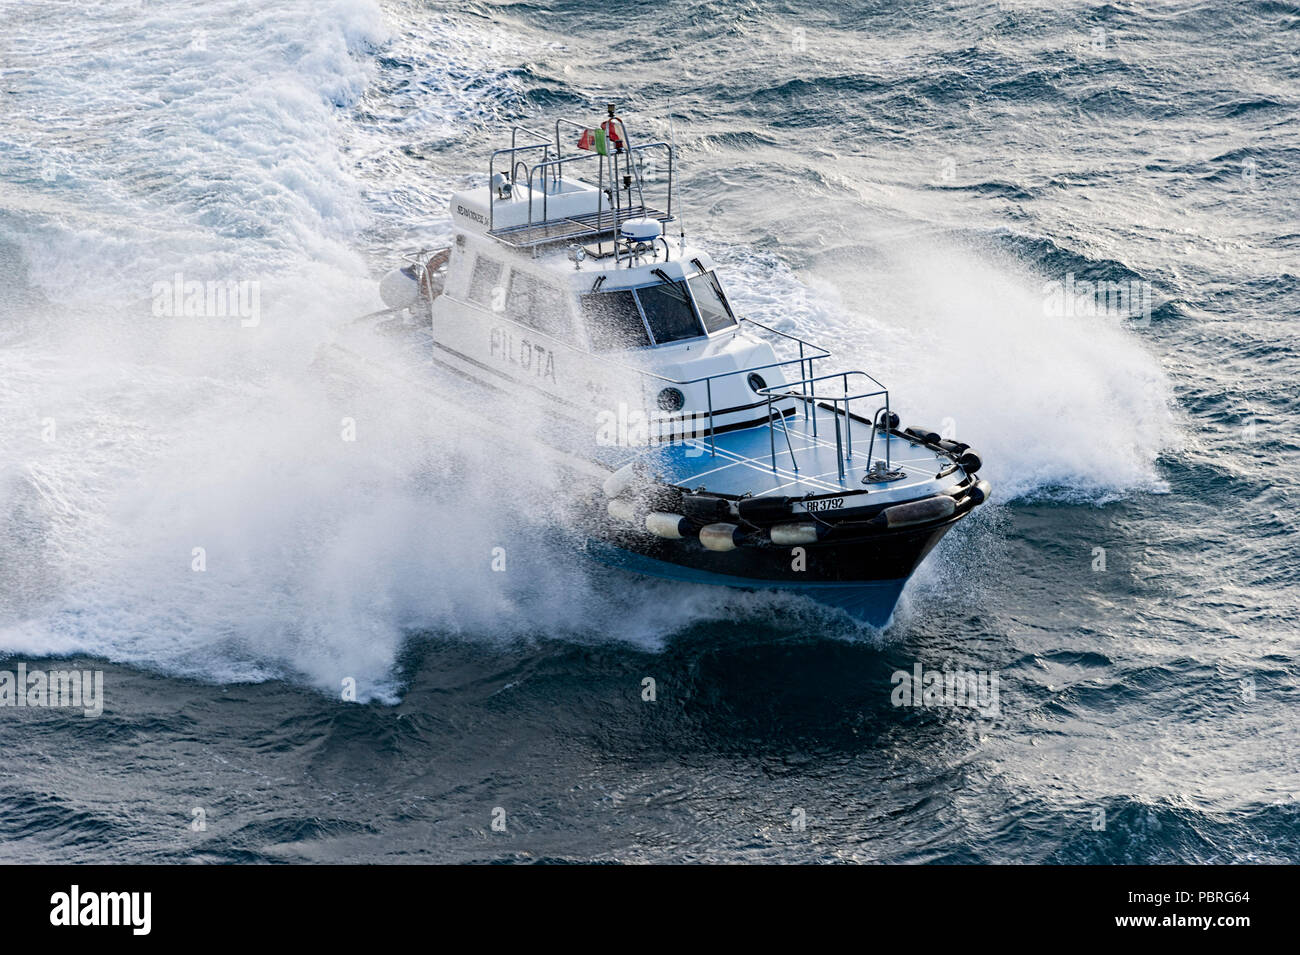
485	278
544	307
613	321
712	303
668	312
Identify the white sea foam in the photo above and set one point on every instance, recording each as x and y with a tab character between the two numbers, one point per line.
1075	407
235	159
225	151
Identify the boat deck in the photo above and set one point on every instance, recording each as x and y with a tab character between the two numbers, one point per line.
743	463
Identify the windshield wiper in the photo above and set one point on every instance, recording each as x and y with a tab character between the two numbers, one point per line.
672	283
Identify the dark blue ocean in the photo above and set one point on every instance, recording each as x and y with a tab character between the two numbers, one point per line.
913	184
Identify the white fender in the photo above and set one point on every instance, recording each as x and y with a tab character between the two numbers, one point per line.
719	537
399	288
620	480
787	535
663	524
622	511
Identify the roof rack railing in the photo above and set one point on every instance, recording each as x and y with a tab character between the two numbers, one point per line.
624	165
541	142
559	143
515	162
556	166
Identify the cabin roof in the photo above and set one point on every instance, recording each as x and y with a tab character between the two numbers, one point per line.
562	212
556	263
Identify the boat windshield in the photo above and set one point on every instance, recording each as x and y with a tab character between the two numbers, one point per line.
668	312
715	310
613	321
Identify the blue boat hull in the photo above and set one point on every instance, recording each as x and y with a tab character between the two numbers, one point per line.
872	601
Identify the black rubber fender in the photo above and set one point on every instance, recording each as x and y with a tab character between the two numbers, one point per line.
924	511
706	508
763	510
981	492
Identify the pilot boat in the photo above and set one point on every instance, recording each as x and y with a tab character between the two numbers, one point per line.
707	447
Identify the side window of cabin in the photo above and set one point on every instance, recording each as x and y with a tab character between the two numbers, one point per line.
485	278
714	308
544	307
613	321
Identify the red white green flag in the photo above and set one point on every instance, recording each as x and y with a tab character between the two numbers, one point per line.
600	139
594	139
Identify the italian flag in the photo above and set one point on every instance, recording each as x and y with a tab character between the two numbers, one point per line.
599	139
594	139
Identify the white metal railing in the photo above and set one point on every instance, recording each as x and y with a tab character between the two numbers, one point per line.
811	400
622	163
808	354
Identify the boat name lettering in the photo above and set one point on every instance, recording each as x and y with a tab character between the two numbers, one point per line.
523	353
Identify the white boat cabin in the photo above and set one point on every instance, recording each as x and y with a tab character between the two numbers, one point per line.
571	286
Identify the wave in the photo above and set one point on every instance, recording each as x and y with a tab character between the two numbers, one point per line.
268	152
1071	407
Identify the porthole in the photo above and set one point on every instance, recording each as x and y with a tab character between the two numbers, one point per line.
670	399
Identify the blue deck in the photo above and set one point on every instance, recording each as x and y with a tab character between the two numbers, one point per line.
743	460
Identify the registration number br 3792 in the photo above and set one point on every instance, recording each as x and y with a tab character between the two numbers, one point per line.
825	504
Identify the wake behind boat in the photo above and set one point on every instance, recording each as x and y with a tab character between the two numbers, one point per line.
724	451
